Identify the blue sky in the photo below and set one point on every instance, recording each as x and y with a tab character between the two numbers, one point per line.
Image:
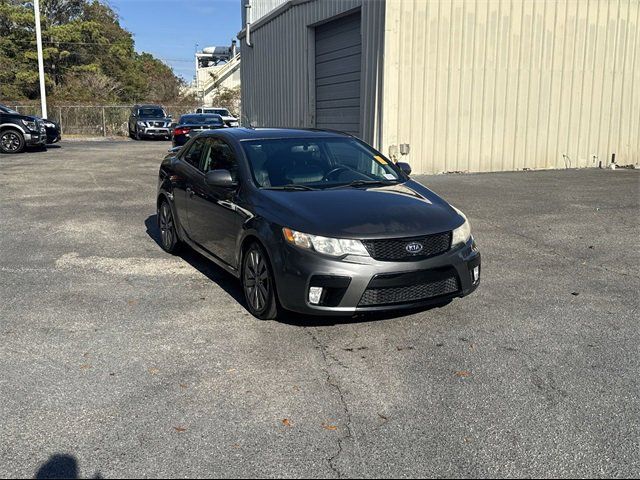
170	29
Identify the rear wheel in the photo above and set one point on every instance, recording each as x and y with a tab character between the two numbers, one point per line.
11	141
168	234
258	284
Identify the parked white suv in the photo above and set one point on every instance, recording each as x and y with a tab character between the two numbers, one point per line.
228	119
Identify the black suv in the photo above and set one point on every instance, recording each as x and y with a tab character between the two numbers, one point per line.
149	121
20	131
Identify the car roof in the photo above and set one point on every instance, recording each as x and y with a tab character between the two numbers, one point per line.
242	133
200	115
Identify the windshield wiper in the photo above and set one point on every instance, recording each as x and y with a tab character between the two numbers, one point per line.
367	183
291	186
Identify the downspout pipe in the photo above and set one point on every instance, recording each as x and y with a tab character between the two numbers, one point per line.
247	7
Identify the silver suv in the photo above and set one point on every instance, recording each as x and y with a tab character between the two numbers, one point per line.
149	121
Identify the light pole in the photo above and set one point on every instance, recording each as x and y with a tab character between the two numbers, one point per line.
43	93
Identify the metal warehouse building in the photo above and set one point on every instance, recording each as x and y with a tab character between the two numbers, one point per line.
470	85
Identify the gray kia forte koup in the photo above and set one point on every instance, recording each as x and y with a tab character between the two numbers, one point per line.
315	222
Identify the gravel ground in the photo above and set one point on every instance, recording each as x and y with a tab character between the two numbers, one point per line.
119	360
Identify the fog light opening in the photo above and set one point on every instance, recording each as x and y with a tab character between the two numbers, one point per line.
315	293
475	274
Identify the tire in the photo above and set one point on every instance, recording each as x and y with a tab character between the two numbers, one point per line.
131	135
11	141
169	240
258	284
138	136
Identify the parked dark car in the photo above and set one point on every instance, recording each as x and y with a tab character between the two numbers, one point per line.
18	132
52	128
192	124
149	121
54	134
314	222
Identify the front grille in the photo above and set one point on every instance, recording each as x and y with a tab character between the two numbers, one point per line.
408	294
396	249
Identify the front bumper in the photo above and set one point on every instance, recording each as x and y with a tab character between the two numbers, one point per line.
155	132
53	136
35	138
363	284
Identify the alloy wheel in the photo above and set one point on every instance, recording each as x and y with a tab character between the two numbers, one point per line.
10	142
257	282
167	230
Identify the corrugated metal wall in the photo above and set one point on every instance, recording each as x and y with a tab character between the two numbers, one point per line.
277	72
259	8
485	85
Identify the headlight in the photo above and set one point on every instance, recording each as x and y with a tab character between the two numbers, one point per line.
461	234
336	247
29	124
142	124
234	124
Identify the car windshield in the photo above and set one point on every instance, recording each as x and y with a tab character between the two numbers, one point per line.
218	111
153	112
317	163
201	120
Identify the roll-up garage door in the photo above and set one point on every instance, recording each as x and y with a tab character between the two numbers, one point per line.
338	52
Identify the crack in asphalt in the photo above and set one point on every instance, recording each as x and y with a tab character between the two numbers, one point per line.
330	379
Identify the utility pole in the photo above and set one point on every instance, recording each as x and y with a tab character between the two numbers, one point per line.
43	93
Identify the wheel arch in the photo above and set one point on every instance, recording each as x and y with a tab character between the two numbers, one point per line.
12	126
164	196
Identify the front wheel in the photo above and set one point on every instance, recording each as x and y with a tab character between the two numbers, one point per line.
259	285
11	141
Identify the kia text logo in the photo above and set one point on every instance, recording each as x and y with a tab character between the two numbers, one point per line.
414	247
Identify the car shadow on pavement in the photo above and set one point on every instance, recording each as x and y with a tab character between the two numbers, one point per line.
225	280
299	320
232	286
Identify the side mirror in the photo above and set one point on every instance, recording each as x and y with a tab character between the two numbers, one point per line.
405	167
220	179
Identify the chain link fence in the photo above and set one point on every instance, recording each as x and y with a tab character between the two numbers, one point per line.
93	120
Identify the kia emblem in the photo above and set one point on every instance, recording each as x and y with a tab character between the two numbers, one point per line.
414	247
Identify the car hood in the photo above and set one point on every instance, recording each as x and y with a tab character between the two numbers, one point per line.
403	210
18	116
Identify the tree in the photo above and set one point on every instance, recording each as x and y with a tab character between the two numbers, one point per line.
228	98
85	50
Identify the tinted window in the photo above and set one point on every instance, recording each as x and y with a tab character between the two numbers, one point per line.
194	154
220	156
215	120
217	111
318	163
154	112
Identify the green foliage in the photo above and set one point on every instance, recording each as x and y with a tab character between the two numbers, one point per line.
87	55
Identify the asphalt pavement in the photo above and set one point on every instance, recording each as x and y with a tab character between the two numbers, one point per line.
120	360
